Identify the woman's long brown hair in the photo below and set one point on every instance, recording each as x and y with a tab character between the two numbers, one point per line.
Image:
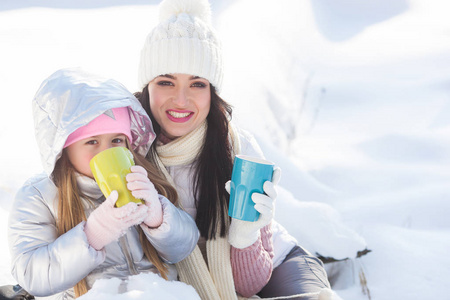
213	165
71	211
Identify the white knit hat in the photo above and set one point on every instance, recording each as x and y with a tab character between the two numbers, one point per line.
183	42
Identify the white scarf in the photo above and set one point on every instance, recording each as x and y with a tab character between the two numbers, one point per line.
217	282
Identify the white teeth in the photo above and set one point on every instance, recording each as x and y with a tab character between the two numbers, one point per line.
178	115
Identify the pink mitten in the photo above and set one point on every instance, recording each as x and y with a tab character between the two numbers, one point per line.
107	223
141	188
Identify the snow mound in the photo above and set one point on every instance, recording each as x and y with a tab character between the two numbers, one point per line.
318	227
143	286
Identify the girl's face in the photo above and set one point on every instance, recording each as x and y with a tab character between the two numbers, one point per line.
80	153
179	102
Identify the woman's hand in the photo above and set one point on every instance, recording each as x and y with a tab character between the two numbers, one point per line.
141	188
107	223
243	234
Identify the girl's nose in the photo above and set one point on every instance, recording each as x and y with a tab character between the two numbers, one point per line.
106	146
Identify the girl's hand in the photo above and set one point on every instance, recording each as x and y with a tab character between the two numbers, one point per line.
107	223
141	188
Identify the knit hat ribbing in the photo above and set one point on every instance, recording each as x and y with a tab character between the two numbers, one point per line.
183	42
115	120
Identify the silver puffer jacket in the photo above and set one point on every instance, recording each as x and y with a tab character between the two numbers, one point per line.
49	266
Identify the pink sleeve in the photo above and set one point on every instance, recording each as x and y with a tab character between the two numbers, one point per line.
252	266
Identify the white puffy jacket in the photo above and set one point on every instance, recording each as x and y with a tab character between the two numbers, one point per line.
49	266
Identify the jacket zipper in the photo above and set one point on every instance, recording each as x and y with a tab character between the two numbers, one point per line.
126	252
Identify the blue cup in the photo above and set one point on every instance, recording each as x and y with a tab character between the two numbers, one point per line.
248	177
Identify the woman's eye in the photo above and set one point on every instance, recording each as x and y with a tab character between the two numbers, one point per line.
199	84
164	83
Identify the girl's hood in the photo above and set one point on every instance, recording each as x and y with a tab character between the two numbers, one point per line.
71	98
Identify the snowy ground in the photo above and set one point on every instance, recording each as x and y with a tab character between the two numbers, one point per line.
351	99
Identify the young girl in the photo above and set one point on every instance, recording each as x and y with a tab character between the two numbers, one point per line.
180	73
63	233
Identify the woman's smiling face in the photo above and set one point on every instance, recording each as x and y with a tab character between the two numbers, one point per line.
179	103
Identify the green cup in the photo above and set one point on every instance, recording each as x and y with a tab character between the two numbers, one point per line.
110	167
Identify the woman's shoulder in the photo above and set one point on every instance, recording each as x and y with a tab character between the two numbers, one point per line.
242	133
248	144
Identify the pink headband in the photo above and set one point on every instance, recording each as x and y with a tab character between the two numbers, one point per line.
116	120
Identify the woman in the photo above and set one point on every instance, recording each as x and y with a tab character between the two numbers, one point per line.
180	73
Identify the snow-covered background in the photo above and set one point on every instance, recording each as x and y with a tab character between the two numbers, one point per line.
350	98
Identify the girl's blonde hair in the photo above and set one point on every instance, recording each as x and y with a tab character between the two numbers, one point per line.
71	210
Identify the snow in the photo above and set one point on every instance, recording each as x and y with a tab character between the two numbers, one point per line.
138	287
350	99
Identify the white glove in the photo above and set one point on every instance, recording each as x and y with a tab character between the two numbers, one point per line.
142	188
243	234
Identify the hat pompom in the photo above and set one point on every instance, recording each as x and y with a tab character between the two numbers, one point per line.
196	8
